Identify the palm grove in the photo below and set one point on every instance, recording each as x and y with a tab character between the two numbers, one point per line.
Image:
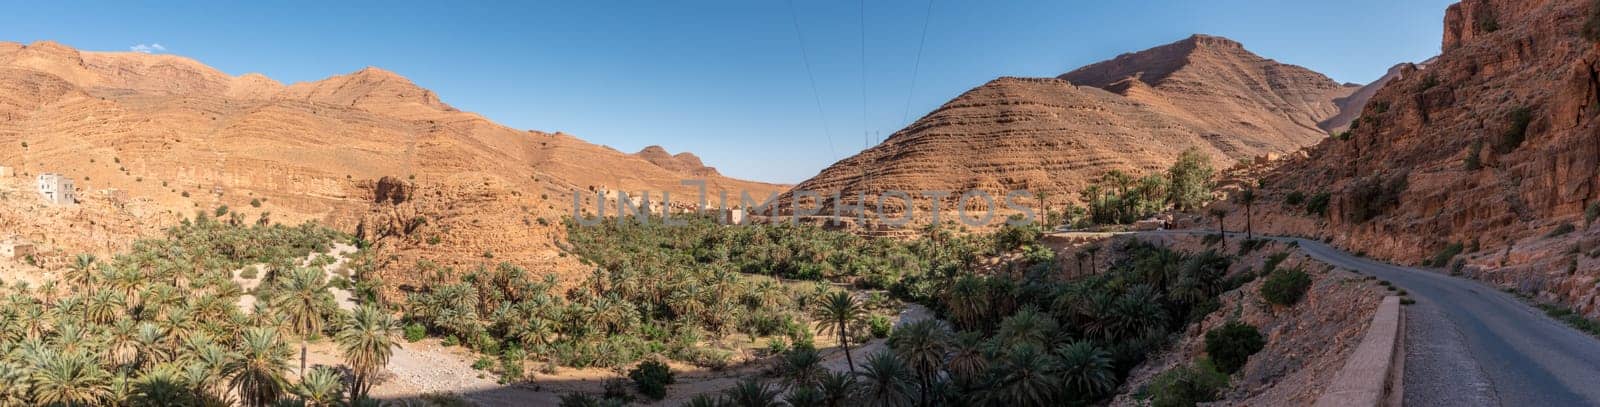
161	324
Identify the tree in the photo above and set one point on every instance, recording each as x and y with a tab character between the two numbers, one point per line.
752	392
885	381
1092	249
81	272
68	379
1220	214
837	388
258	372
304	299
1191	180
802	367
836	314
367	340
1247	197
922	345
651	377
1024	378
319	388
1231	345
1086	370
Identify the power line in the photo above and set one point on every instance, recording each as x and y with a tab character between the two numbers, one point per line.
917	66
806	59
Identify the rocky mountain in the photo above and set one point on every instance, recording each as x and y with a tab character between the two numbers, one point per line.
1135	113
1492	150
683	163
369	152
1350	106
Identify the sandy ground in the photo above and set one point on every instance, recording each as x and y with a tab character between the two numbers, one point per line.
426	367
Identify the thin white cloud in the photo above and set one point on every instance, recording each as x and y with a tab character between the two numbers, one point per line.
148	48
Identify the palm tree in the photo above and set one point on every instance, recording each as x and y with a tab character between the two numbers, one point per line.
752	392
161	386
1247	197
1086	370
320	388
804	396
258	372
967	360
837	388
968	301
1092	249
922	345
68	379
1027	326
305	301
1024	378
81	272
885	381
837	312
1080	255
1220	214
802	367
367	341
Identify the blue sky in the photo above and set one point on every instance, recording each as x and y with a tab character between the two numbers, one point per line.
725	79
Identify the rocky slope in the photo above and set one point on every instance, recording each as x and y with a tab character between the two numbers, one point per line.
1350	106
1495	146
176	134
1133	113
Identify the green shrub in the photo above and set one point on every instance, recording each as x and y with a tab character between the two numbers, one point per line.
1443	256
1273	261
483	362
255	203
1231	345
450	341
651	377
1187	385
1517	132
1472	162
1295	198
1590	213
880	326
1561	229
249	273
1591	26
1318	204
1286	286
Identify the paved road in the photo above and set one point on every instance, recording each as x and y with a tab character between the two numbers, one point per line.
1527	358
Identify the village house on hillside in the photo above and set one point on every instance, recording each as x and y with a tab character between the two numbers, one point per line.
56	189
15	248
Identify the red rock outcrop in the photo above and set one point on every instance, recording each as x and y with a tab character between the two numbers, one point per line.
1494	145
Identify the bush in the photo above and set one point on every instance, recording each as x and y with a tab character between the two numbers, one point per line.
1472	163
1443	256
1286	286
651	377
1517	132
880	326
1561	229
1188	385
1591	26
1318	204
1231	345
1295	198
249	273
1590	213
1273	261
483	362
255	203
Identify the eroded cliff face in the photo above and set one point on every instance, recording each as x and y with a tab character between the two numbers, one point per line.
1134	113
351	151
1494	145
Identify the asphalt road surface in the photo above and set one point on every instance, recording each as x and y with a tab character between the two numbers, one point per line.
1462	333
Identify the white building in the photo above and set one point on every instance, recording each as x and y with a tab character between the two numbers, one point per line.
56	189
